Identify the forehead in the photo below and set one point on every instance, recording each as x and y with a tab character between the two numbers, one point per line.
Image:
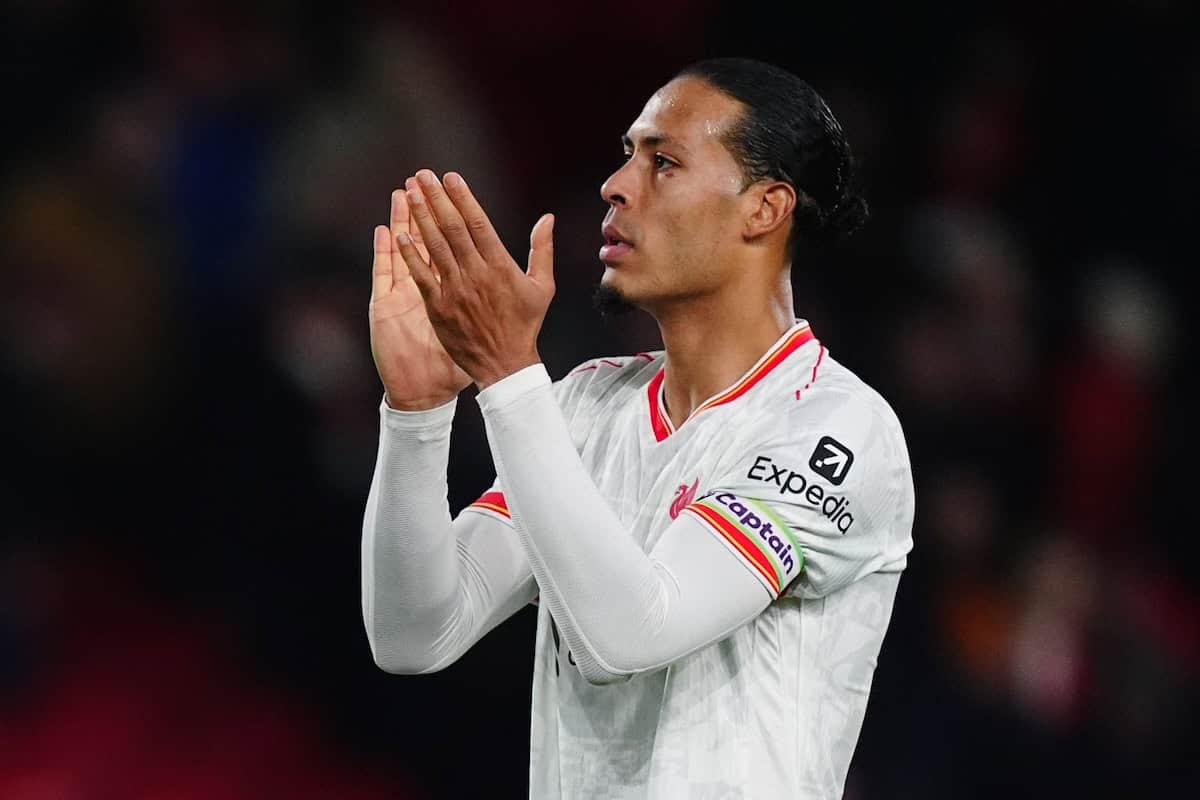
689	112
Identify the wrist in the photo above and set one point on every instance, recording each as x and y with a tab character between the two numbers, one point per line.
417	404
418	422
487	376
513	388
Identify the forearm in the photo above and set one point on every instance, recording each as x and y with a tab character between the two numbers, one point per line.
621	610
430	587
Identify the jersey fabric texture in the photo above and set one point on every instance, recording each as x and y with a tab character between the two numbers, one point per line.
801	472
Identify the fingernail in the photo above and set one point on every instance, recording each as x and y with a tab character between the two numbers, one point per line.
426	177
414	197
453	180
404	238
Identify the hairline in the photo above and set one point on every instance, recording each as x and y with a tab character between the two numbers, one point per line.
737	127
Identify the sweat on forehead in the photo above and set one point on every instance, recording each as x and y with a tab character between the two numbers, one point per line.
686	110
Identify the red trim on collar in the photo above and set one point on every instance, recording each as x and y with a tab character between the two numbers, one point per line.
660	423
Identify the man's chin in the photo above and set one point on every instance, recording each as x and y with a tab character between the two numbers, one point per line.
610	301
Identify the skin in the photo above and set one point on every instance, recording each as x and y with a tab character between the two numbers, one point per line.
709	263
416	371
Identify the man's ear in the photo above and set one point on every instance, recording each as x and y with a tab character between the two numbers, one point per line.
771	206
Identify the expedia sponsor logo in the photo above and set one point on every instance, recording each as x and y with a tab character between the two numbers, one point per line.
775	540
811	493
831	460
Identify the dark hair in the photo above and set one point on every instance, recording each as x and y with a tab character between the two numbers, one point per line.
788	133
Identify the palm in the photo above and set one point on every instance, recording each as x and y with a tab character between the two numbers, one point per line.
413	365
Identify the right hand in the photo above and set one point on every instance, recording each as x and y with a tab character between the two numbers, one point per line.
417	373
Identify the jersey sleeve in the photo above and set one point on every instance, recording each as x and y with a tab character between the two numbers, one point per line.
575	395
570	393
817	503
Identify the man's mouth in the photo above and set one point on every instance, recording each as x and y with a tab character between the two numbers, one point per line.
615	246
614	250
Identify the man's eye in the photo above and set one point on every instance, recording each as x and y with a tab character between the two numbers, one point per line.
660	161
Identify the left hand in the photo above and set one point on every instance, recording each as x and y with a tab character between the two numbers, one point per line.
486	311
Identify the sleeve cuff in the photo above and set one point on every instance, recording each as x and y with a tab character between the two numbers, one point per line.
397	420
507	390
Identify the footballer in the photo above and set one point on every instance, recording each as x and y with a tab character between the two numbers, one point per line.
713	533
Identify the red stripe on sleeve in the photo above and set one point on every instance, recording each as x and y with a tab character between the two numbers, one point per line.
494	501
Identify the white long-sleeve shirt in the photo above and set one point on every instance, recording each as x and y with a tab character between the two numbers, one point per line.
731	579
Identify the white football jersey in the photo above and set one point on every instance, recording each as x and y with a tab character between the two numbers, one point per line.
800	469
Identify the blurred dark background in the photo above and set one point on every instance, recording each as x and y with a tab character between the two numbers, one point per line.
187	198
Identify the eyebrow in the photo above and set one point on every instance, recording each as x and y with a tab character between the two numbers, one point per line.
653	140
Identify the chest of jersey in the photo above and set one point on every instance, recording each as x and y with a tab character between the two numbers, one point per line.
646	481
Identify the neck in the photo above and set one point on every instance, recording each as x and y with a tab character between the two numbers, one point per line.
712	340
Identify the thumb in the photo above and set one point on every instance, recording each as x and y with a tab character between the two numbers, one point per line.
541	251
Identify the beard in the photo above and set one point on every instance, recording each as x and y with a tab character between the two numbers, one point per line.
610	302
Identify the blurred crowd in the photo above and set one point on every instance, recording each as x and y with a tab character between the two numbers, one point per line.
186	205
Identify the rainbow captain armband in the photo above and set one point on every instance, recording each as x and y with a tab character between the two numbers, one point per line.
756	533
492	504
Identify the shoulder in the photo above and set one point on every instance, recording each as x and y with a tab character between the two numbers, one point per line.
834	430
819	396
832	467
601	378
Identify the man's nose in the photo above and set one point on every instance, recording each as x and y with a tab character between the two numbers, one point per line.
615	190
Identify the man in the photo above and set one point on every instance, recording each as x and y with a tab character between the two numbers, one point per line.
714	533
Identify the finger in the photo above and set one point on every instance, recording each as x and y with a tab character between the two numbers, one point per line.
421	273
381	265
449	220
478	225
401	223
541	251
398	224
441	255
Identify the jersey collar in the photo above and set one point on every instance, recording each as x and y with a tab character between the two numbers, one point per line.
796	337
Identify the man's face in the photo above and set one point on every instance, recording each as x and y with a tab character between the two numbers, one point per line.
675	204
